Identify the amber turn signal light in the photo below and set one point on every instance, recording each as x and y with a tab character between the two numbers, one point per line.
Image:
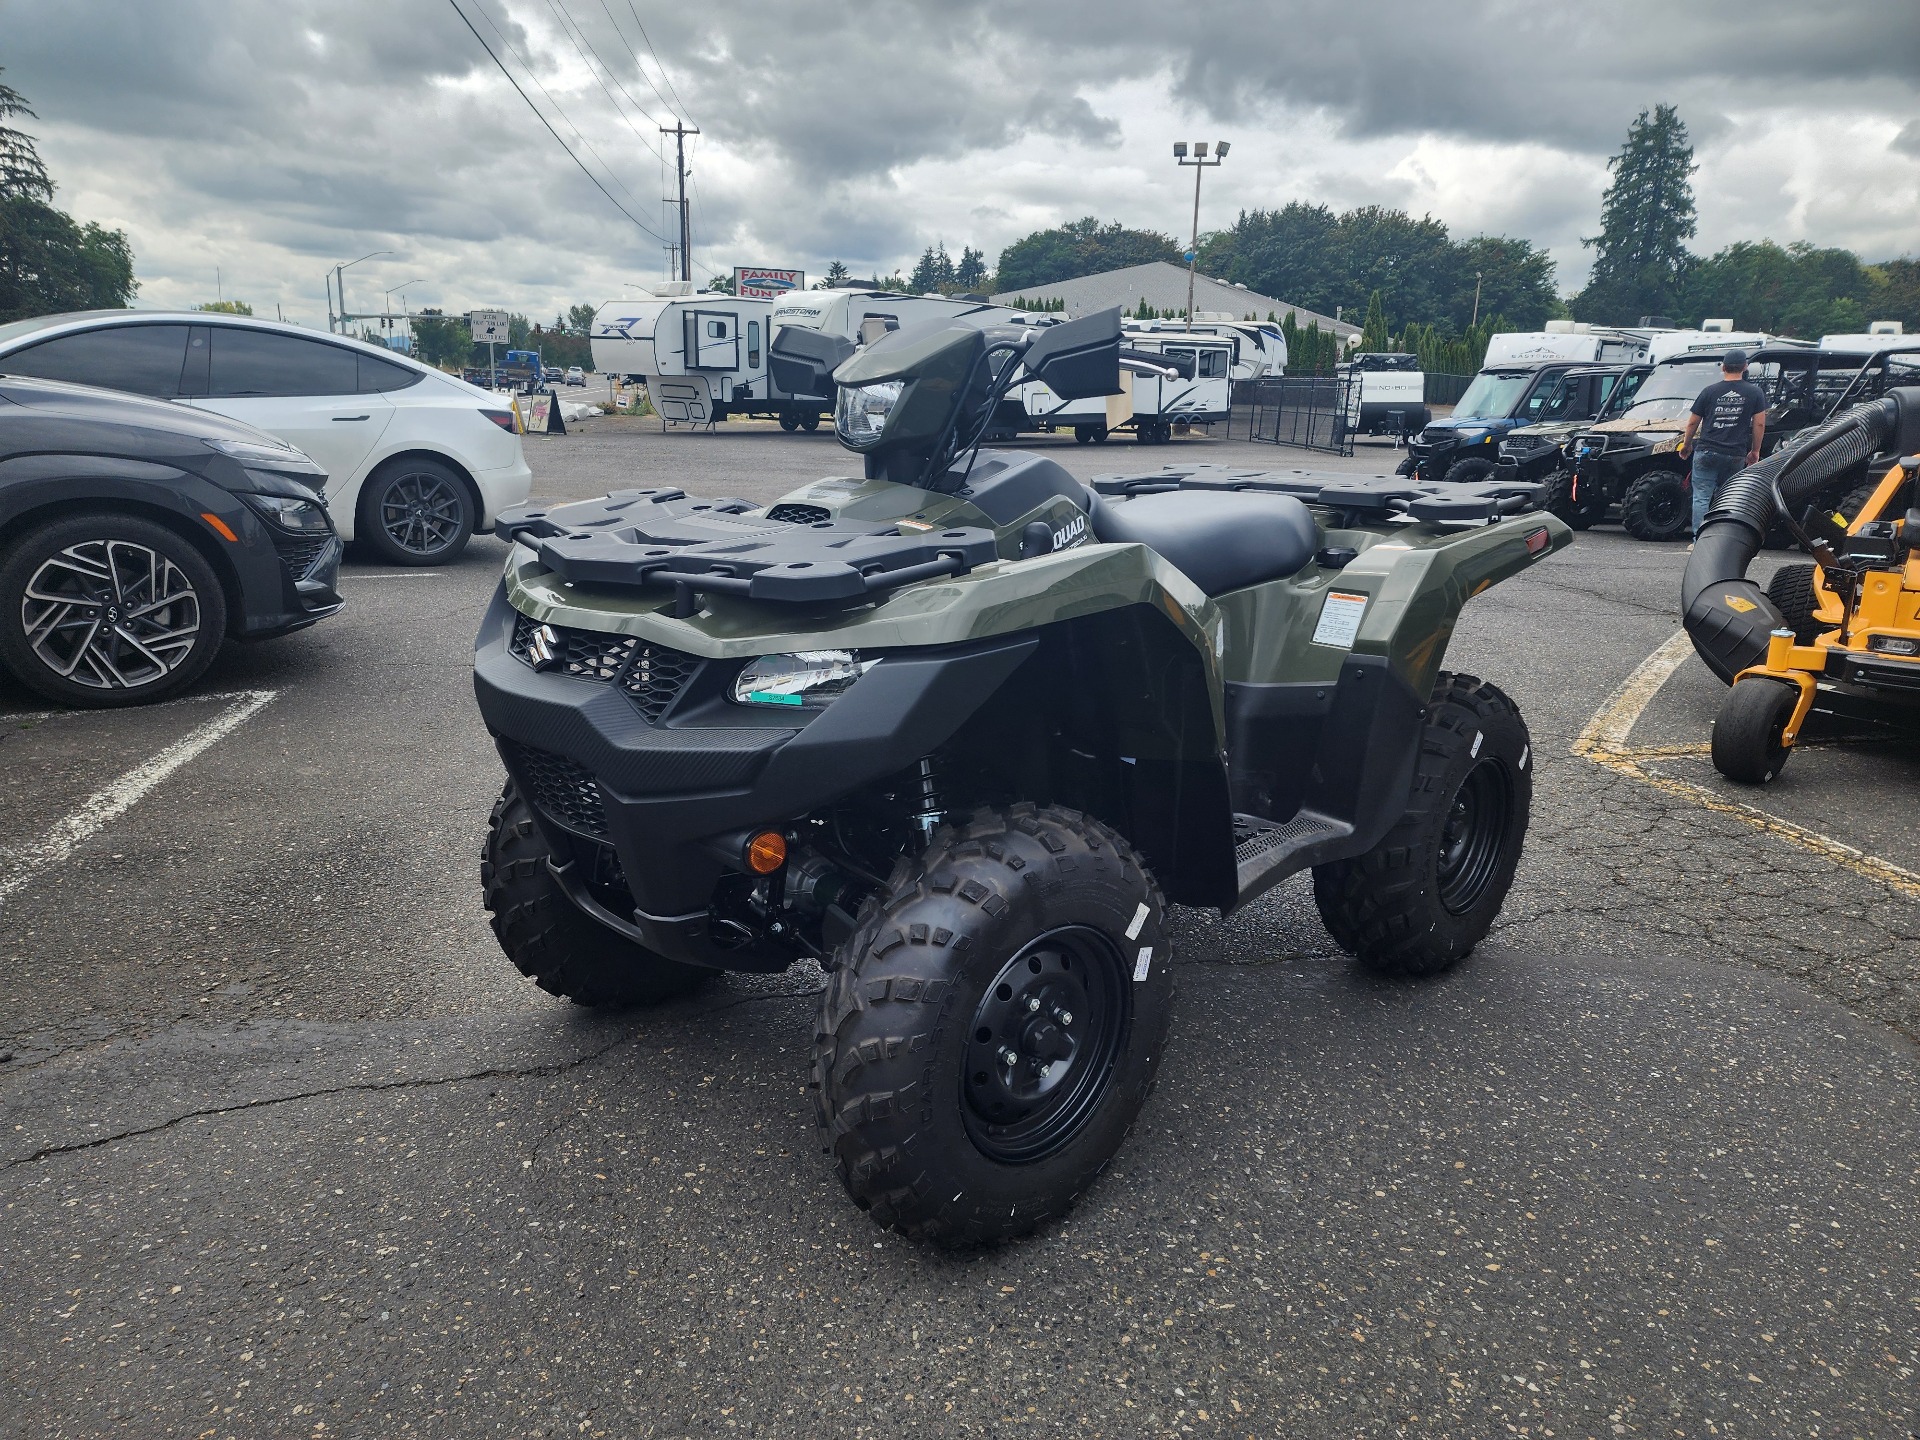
766	852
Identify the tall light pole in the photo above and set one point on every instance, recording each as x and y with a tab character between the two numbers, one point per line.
387	322
340	283
1476	301
1199	162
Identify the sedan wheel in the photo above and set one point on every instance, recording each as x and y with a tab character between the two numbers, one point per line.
101	611
416	512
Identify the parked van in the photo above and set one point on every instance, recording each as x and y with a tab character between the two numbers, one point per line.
702	357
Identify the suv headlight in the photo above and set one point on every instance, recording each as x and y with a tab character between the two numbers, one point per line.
809	677
303	517
273	457
860	414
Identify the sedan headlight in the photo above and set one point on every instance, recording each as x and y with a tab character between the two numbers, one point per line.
303	517
810	677
860	415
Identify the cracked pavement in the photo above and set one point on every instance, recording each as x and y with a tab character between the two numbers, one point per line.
290	1150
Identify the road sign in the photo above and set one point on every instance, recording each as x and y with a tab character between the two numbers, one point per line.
488	326
765	284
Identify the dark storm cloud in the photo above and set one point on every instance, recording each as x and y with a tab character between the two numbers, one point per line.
243	134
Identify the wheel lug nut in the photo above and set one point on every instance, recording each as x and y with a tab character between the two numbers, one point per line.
1065	1017
1007	1057
1033	1003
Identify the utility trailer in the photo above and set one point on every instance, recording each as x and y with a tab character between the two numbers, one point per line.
702	357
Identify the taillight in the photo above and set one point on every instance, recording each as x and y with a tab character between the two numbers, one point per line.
502	418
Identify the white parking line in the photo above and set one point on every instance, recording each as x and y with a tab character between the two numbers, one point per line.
1604	741
398	575
107	805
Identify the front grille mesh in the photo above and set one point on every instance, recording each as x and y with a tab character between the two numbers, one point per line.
299	552
653	675
561	790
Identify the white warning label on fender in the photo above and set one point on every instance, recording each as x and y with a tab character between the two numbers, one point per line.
1340	619
1144	963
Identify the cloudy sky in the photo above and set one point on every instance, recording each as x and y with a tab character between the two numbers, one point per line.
269	139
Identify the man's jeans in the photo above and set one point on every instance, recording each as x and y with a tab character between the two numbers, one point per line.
1711	470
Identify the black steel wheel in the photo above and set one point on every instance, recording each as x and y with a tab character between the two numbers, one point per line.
1043	1042
1747	744
789	423
1658	506
1427	893
102	610
415	511
991	1030
810	423
1083	434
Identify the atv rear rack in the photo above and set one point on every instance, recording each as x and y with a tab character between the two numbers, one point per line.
666	539
1365	496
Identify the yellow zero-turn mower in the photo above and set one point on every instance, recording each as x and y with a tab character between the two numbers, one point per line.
1841	635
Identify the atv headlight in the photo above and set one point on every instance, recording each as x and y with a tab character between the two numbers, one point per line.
1666	445
809	677
860	414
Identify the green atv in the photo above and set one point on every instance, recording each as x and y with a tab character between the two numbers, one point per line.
960	728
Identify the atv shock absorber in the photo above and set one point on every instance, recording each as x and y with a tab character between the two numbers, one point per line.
929	815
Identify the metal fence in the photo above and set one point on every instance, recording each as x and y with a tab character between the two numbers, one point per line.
1314	412
1443	389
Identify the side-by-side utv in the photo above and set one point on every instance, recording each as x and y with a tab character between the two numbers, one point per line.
958	729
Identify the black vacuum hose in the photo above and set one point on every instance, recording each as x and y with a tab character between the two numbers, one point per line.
1728	616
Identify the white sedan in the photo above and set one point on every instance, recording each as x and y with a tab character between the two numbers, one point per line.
416	460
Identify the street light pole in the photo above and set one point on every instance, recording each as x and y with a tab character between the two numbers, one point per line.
1199	162
1476	301
387	322
340	283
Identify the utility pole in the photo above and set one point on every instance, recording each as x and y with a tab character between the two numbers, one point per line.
1199	162
680	133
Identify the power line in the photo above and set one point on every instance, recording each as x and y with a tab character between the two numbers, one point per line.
560	10
638	68
676	103
557	110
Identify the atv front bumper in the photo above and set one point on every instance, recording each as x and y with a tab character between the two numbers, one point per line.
660	789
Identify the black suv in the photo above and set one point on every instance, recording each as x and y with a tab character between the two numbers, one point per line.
136	536
1466	445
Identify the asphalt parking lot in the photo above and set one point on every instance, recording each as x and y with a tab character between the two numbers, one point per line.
291	1150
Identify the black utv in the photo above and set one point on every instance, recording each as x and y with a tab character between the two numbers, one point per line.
1630	462
958	728
1536	451
1465	446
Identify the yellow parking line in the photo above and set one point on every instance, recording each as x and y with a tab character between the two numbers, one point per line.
1604	741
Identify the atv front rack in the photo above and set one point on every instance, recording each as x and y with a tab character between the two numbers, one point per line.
666	539
1364	496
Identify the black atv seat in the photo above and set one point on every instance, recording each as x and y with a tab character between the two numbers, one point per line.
1221	540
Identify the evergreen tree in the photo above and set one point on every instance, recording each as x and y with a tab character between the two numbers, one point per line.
971	270
1373	333
48	261
1646	218
836	274
926	275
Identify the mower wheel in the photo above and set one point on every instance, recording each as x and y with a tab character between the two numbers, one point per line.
1657	506
1791	590
1747	747
1470	471
1424	896
1580	514
547	937
992	1028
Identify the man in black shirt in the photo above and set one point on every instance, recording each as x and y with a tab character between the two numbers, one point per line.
1730	417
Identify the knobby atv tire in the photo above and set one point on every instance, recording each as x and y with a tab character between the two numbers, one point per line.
1657	506
1791	590
1395	909
546	936
891	1050
1582	513
1747	747
1470	471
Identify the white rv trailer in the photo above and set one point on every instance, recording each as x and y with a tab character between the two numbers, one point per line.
1881	335
864	315
1259	346
702	357
1148	405
1567	340
1392	392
